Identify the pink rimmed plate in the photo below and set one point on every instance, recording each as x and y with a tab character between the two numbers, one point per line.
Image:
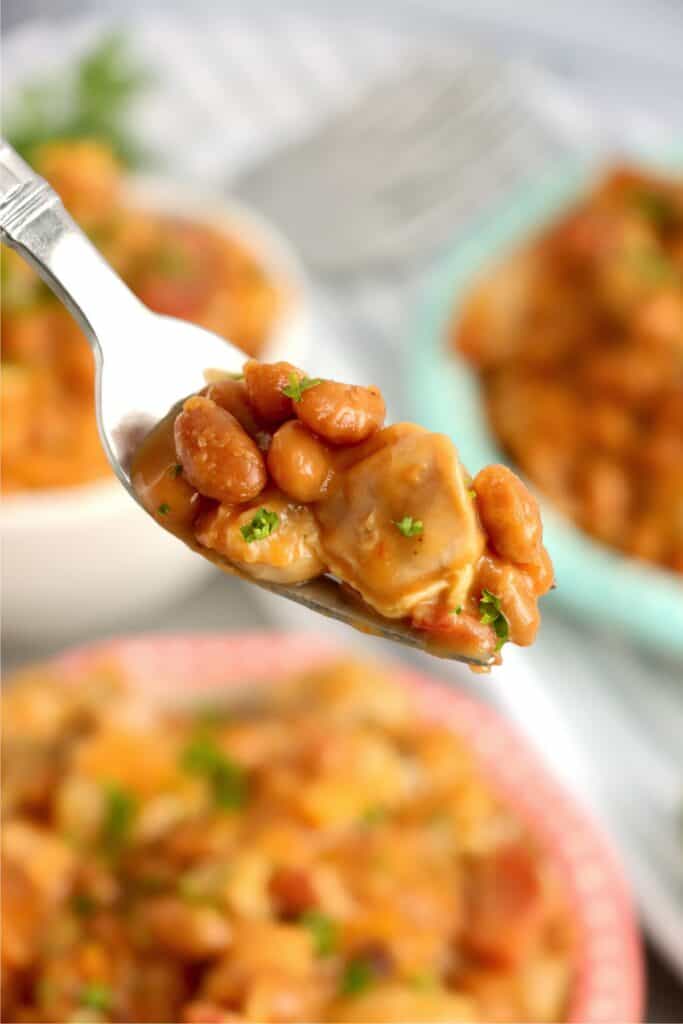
608	984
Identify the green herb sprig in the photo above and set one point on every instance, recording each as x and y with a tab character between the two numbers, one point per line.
121	807
261	526
90	101
491	614
97	996
297	386
657	207
226	779
324	931
358	976
408	526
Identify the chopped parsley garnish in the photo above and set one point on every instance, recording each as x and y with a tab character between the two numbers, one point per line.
82	904
323	931
654	267
491	614
121	807
225	778
210	715
261	526
359	975
164	508
656	207
173	262
96	996
424	981
456	611
408	526
202	886
374	815
92	100
297	386
176	470
46	993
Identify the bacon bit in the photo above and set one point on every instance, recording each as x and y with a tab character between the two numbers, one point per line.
292	892
506	906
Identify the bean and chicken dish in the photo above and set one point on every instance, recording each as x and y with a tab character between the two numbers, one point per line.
309	851
177	267
287	478
578	340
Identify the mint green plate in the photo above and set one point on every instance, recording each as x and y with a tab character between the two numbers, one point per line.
596	584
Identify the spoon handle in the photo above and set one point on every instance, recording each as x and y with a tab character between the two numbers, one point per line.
34	222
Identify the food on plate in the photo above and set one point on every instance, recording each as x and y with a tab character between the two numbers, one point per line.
288	478
578	339
311	851
176	266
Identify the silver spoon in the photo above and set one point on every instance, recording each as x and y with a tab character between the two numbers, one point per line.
144	362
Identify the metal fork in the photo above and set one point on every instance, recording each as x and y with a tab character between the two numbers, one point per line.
383	183
145	363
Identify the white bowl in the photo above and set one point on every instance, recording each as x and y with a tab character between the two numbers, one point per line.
82	558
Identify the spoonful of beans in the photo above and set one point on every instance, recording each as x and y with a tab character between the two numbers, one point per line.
291	482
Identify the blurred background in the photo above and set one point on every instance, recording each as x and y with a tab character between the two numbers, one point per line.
356	147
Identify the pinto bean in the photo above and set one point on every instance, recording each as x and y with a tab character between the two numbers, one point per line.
264	383
541	572
463	633
341	413
217	455
509	514
516	589
606	496
160	483
232	396
299	463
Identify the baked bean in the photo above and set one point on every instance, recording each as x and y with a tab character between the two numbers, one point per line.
201	1011
605	494
659	320
509	514
232	396
264	383
517	593
341	413
463	633
160	482
299	463
675	560
610	427
541	572
217	455
645	539
590	383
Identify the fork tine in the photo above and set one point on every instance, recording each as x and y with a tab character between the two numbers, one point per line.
396	168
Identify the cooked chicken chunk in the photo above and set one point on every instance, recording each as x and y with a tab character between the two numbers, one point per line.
403	471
